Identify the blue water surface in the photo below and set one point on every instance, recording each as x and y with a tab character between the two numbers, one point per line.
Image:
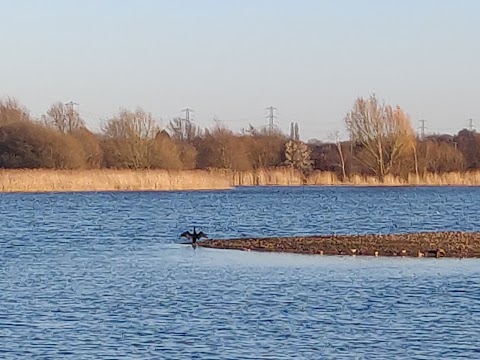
104	276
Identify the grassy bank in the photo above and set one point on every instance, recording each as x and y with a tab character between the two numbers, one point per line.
111	180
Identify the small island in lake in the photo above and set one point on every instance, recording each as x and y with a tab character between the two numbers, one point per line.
421	244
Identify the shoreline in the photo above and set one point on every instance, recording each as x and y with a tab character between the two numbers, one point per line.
455	244
98	180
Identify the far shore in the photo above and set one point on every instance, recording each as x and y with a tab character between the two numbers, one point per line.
43	180
423	244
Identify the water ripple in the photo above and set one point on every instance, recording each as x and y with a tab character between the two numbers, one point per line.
102	276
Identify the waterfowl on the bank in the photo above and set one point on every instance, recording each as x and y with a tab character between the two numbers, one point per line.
195	236
436	253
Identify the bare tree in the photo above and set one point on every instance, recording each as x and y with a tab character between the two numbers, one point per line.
184	130
265	148
12	111
128	124
64	118
439	157
133	133
265	151
221	148
415	159
339	146
383	135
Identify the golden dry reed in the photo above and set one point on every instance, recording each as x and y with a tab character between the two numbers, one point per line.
144	180
108	180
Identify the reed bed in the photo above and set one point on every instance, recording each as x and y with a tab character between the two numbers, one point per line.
428	179
145	180
109	180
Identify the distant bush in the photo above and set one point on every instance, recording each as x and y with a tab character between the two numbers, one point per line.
12	111
221	149
265	150
163	153
188	155
31	145
92	149
382	144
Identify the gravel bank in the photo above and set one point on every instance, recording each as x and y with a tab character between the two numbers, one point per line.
425	244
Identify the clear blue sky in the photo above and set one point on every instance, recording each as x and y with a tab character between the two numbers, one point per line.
232	59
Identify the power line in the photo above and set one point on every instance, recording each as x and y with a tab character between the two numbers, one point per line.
71	104
470	125
271	117
71	120
422	129
187	112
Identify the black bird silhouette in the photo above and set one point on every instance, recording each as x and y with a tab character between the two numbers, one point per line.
195	236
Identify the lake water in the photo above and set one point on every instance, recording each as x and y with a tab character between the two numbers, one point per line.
104	276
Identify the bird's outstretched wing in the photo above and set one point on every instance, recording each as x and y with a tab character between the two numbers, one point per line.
202	234
187	235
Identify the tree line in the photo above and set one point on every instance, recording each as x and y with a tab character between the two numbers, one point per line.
381	142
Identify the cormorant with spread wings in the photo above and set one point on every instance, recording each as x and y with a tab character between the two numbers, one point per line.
195	236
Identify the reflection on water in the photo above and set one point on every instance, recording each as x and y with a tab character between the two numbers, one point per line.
104	276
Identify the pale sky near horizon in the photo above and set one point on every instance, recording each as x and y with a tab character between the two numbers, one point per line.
232	59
